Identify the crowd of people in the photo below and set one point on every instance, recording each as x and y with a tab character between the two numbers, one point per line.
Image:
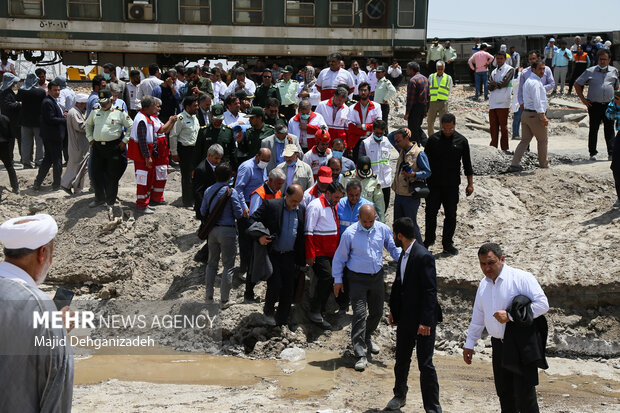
291	169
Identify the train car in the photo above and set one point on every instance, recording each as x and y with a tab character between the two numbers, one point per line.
138	32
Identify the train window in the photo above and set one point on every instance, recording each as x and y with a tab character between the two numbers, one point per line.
84	9
406	13
26	8
248	11
341	13
195	11
300	13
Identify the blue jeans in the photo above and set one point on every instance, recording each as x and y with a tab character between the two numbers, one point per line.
484	78
516	123
407	206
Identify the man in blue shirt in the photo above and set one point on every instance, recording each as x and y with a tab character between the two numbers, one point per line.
250	175
349	206
223	237
361	252
99	83
561	58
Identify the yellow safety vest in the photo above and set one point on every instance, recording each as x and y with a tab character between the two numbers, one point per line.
439	91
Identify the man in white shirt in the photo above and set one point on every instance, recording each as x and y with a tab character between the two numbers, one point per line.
241	82
500	86
495	294
372	75
359	76
395	73
147	85
332	76
132	93
534	120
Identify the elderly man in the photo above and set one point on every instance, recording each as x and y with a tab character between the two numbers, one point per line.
500	85
602	80
269	190
53	131
496	309
296	171
254	136
33	378
360	256
332	76
241	82
287	90
285	220
321	233
104	128
250	175
276	144
439	87
417	100
72	180
535	121
183	139
306	124
320	153
384	91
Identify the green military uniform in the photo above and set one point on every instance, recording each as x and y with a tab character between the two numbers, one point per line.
263	93
272	121
210	135
252	140
204	85
371	191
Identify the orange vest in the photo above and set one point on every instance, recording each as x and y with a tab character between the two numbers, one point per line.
262	192
582	58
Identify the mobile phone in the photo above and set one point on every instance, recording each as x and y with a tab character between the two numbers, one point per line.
63	297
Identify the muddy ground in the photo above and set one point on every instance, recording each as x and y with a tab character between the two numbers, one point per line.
557	223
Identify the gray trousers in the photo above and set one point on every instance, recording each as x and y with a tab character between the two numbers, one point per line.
29	136
365	289
559	75
221	240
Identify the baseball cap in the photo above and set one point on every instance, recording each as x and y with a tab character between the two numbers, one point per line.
325	175
104	96
552	40
256	111
290	150
288	69
217	111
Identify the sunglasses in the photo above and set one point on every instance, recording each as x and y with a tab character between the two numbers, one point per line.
266	77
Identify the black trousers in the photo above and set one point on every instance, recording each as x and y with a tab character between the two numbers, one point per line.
6	157
385	112
107	165
597	115
386	196
414	123
431	67
578	69
325	286
186	163
615	164
450	71
288	111
407	339
281	286
515	393
245	256
132	113
53	159
448	196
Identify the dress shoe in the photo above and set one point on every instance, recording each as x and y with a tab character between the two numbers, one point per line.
396	403
36	186
269	320
95	203
428	244
361	364
451	250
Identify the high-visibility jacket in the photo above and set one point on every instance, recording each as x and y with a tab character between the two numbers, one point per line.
439	91
262	192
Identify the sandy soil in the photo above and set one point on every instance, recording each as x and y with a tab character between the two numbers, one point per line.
557	223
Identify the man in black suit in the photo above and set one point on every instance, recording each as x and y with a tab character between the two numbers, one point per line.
285	220
202	178
415	310
53	129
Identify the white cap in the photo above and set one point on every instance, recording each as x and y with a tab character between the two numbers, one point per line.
607	43
32	231
81	98
552	40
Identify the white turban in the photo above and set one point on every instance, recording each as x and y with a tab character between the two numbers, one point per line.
81	98
32	231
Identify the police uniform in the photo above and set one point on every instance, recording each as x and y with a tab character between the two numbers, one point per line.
183	138
104	129
371	190
288	92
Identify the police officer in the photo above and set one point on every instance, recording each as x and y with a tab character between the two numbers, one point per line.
288	89
183	138
219	133
371	188
104	129
253	136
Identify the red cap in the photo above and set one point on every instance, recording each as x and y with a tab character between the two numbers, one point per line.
322	135
325	175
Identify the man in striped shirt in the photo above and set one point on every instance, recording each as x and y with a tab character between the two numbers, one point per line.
417	101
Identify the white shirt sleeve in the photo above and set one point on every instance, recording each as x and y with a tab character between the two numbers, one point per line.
476	326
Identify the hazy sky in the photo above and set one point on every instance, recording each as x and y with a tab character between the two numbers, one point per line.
470	18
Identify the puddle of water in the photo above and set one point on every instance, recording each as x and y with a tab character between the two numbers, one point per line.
314	376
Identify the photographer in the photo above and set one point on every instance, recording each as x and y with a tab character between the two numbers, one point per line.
412	165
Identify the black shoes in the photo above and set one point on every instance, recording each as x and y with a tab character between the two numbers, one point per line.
451	250
396	403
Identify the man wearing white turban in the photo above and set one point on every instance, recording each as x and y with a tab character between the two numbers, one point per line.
72	180
34	376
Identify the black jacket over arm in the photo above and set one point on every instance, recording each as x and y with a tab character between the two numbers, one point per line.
414	302
53	123
203	178
31	99
270	215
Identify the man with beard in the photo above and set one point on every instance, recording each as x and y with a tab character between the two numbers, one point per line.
361	117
